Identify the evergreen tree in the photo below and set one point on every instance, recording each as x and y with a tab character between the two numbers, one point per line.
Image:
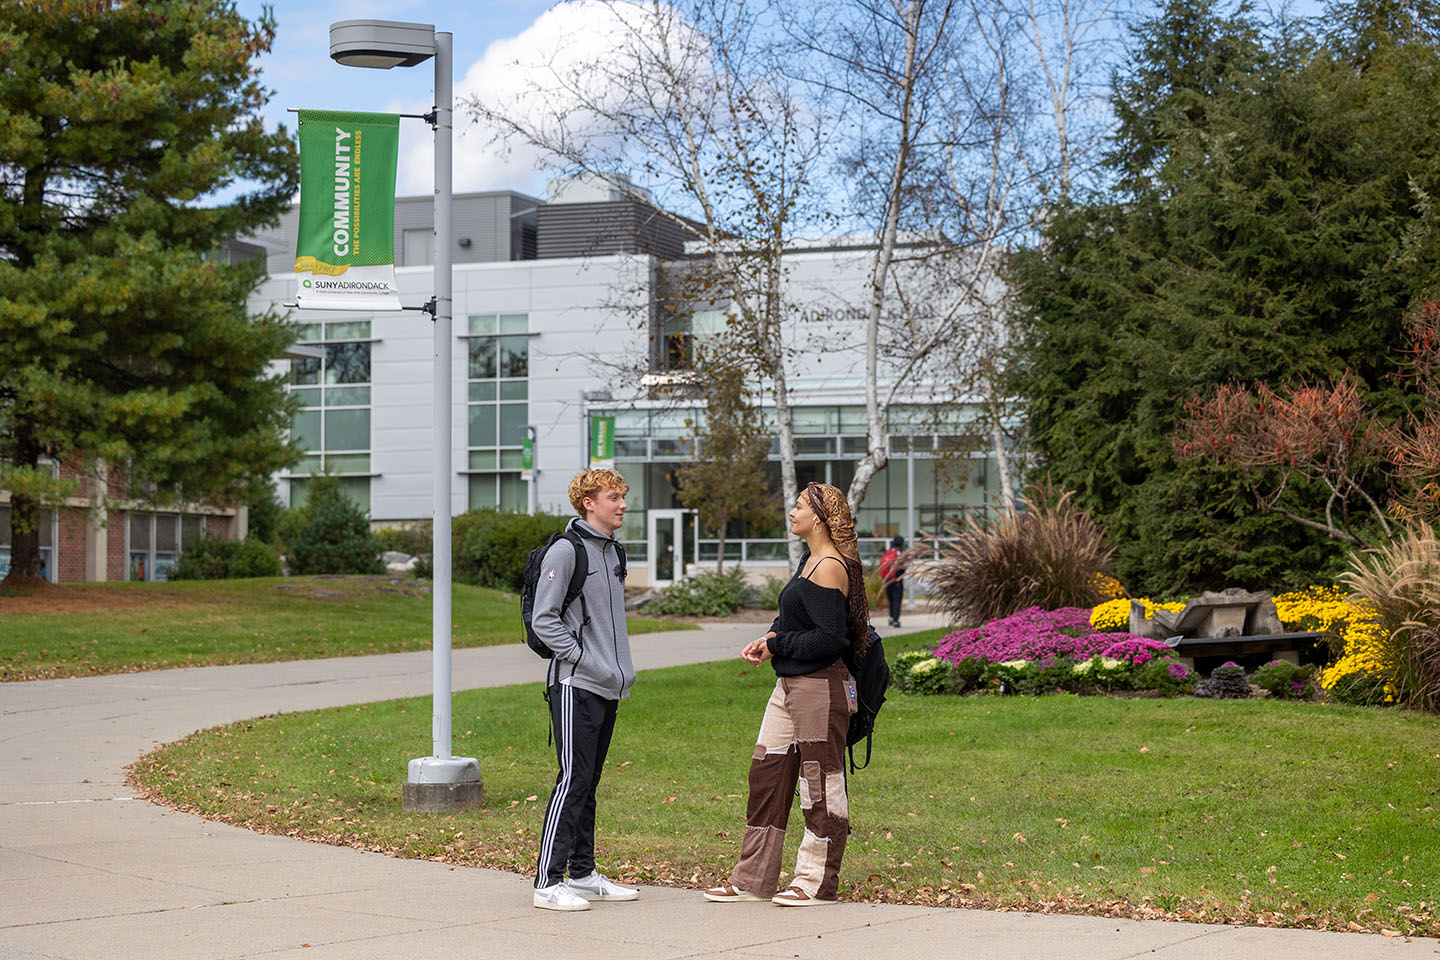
336	538
1274	224
124	339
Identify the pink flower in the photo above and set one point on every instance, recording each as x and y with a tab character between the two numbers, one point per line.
1135	649
1034	634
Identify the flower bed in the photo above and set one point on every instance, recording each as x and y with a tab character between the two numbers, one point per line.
1359	674
1080	649
1035	651
1033	634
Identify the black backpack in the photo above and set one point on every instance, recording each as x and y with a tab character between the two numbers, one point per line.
872	678
531	577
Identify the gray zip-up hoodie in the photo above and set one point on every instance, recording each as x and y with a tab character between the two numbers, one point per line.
600	660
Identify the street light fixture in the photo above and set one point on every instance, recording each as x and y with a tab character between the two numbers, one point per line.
440	781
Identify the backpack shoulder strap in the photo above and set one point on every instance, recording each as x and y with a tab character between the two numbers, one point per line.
851	749
581	570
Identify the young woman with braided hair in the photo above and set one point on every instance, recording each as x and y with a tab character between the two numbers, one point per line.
824	623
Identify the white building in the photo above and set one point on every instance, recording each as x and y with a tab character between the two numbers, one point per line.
554	317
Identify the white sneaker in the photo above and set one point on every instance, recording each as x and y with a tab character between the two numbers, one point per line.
597	886
558	896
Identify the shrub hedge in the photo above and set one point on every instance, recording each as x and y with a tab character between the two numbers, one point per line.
212	559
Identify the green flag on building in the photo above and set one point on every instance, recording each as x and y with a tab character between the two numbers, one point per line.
602	442
345	251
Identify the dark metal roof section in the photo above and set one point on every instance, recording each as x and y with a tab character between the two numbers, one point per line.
609	227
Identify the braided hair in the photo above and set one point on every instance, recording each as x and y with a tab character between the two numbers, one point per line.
833	510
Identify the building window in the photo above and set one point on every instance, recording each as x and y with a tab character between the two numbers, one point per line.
498	372
47	544
676	344
156	540
418	247
680	332
333	425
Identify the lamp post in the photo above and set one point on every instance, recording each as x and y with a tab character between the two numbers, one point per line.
439	781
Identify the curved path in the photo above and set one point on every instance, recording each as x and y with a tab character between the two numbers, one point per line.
88	872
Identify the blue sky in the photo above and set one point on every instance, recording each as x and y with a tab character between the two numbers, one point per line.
301	74
489	36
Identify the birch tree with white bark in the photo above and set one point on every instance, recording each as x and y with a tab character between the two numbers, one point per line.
694	97
962	130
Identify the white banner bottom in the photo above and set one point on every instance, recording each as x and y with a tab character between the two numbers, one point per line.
358	288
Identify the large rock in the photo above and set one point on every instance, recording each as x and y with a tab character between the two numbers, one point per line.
639	600
398	563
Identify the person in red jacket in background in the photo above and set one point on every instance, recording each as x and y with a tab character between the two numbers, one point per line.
894	576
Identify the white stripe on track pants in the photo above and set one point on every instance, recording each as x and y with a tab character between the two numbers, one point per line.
582	723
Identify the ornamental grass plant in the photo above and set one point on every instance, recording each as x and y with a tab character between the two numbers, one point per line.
1401	581
1046	553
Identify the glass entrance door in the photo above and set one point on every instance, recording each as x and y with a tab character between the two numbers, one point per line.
671	543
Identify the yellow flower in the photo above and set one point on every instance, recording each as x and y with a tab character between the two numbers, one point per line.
1151	606
1115	614
1111	615
1107	586
1365	642
1321	609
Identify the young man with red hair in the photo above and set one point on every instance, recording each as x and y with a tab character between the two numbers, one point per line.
589	676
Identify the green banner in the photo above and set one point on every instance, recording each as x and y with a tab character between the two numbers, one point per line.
527	454
345	250
602	442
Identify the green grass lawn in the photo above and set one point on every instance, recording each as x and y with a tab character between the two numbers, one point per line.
88	629
1267	812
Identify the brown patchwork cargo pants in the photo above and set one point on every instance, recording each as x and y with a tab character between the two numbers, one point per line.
802	741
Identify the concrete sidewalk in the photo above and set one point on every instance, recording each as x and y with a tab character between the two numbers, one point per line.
87	872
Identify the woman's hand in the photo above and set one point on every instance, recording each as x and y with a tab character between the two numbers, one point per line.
757	652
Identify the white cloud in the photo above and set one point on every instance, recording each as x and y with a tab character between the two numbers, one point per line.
565	35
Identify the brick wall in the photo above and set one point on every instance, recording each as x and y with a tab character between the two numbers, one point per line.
115	487
218	527
70	548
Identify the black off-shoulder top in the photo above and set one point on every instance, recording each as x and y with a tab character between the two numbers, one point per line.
812	630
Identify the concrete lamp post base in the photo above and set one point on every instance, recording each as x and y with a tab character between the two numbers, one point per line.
442	786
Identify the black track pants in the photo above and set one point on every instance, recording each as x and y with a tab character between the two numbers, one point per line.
582	722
